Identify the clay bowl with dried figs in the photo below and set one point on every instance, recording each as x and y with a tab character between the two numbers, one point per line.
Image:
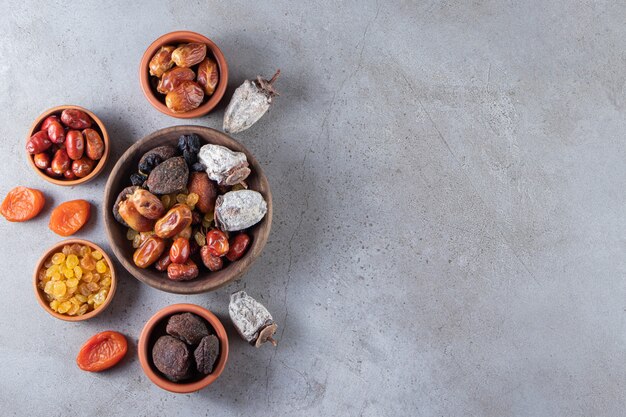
156	327
122	237
183	74
67	145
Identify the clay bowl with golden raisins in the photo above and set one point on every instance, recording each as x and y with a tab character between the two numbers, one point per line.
173	80
206	280
156	327
74	280
67	145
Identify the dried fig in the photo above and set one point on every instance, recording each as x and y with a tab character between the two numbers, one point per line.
171	357
168	177
172	79
185	97
161	61
189	54
187	327
208	75
206	354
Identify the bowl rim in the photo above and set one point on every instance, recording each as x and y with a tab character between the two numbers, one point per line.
182	36
144	338
176	287
101	162
39	294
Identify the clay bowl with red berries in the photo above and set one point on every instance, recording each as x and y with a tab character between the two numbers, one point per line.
150	82
59	139
206	279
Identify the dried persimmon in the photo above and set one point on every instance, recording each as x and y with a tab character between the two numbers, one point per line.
69	217
22	204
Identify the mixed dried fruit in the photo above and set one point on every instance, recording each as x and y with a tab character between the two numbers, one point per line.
67	145
189	350
185	74
102	351
75	280
179	218
22	204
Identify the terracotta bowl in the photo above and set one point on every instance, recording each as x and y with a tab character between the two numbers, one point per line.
176	38
99	166
41	297
155	328
116	232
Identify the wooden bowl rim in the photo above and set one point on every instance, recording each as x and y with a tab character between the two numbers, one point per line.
164	383
182	36
183	287
101	162
39	293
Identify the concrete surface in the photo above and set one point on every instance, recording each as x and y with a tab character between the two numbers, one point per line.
449	189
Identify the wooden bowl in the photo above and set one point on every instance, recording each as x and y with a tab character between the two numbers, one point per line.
101	163
116	232
176	38
41	295
155	328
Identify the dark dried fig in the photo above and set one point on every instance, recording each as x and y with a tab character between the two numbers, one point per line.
187	327
168	177
206	354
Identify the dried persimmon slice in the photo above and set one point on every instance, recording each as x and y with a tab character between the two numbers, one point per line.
69	217
22	204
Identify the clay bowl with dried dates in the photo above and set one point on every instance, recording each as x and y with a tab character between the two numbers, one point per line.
67	145
183	74
128	240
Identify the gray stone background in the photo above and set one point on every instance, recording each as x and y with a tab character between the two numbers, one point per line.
449	191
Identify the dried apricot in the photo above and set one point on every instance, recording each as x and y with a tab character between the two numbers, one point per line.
69	217
102	351
22	204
